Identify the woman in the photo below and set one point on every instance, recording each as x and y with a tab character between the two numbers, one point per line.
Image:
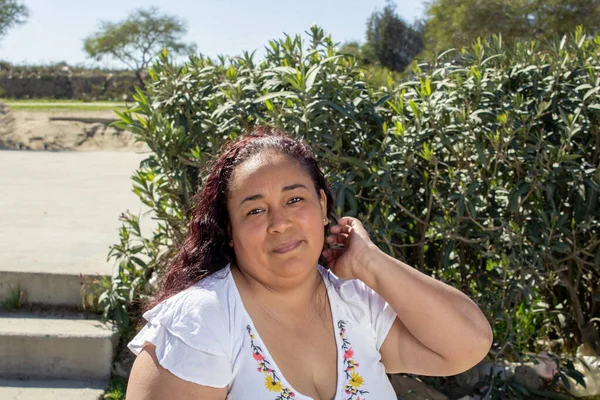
247	312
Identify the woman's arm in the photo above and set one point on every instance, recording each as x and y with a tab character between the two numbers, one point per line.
439	330
150	381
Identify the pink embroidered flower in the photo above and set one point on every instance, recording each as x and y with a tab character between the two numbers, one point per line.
348	354
258	356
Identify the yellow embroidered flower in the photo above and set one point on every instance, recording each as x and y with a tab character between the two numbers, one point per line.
356	380
272	385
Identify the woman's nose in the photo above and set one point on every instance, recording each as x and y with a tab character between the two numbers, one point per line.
279	221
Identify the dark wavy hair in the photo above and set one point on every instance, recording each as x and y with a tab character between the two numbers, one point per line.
205	250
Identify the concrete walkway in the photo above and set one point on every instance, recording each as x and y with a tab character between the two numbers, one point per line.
59	210
59	213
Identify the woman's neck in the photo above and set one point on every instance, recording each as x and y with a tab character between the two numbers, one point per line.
304	296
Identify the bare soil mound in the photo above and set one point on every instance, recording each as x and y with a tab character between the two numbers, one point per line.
63	131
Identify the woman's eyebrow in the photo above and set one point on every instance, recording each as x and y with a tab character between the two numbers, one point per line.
292	187
284	189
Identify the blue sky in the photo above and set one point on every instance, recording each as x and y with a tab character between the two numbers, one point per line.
55	29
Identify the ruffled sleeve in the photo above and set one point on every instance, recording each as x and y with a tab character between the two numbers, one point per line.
368	307
191	335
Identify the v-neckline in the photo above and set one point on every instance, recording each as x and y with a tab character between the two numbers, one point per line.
264	348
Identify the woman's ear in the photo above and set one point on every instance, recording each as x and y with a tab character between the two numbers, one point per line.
323	203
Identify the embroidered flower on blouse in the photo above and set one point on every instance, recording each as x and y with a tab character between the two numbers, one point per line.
356	380
272	380
353	379
272	385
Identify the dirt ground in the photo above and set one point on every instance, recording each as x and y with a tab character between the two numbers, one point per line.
63	130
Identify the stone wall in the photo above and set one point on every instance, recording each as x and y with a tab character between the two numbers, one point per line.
66	84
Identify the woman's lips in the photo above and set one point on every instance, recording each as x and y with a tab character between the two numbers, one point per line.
287	247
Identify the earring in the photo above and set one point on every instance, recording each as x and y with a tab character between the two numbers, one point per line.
231	243
325	220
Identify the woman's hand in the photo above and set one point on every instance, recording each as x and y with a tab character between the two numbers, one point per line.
348	262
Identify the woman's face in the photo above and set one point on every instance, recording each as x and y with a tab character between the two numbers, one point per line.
276	219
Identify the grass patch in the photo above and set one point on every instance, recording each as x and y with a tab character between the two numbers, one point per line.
14	300
63	105
117	388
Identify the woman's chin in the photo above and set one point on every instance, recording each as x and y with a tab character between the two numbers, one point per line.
295	265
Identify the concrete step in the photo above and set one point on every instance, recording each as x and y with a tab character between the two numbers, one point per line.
53	289
67	346
15	389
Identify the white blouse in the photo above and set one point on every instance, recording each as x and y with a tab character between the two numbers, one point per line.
204	335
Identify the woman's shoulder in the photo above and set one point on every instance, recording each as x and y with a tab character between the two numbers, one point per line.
203	301
213	288
191	333
197	316
359	301
351	289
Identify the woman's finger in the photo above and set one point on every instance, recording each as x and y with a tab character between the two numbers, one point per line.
341	229
340	238
348	221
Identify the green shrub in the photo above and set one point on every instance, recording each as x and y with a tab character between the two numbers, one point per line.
482	172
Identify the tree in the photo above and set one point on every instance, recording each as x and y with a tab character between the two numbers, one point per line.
138	39
392	41
360	52
458	23
12	12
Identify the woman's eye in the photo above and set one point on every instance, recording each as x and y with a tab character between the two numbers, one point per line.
291	201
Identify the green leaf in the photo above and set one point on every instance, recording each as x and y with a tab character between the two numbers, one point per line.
426	86
565	381
414	108
491	58
591	92
311	76
560	247
269	96
592	184
446	258
577	376
481	154
124	116
342	111
382	100
562	42
286	70
584	86
139	262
